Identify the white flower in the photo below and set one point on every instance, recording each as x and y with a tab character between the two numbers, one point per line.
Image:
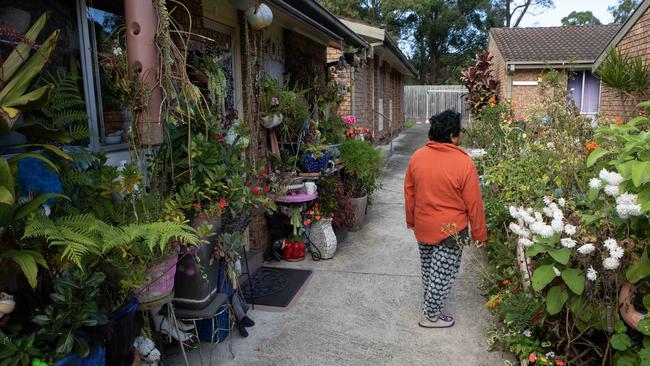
547	211
614	179
117	51
591	274
557	272
550	354
611	263
513	212
529	219
587	249
515	228
569	229
477	153
561	202
547	200
546	231
603	174
557	226
528	333
611	190
558	215
550	145
46	210
626	199
568	242
626	206
595	183
617	253
553	206
525	242
610	244
538	217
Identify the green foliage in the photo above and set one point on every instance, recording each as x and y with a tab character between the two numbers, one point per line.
580	18
19	70
18	350
28	261
363	164
73	308
623	10
332	130
628	75
481	84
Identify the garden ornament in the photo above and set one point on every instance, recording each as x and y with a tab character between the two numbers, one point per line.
7	304
260	16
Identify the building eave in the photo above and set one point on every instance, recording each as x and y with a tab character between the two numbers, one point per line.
629	23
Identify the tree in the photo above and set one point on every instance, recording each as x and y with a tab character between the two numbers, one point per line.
580	18
623	10
512	12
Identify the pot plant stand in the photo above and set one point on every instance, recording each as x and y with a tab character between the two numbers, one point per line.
298	202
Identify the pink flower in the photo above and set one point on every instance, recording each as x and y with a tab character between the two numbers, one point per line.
532	358
350	120
275	101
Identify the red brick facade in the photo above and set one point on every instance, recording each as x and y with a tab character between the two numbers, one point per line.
367	84
635	43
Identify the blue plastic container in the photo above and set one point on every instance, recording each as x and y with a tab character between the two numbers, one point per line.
96	358
217	329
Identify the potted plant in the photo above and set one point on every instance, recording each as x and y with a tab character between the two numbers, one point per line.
293	249
315	158
321	234
362	164
270	107
349	54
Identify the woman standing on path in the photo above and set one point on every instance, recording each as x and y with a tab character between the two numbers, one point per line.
443	197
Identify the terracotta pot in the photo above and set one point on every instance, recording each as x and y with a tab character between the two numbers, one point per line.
626	305
361	205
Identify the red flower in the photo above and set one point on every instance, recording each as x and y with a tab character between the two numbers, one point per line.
265	172
317	218
311	212
559	362
266	189
506	282
256	191
217	136
223	203
532	358
197	205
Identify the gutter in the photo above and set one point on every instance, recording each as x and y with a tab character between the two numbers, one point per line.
395	49
514	65
304	18
316	12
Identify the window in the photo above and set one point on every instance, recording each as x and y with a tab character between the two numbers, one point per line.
102	33
584	89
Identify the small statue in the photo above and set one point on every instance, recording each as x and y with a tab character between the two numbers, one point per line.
7	304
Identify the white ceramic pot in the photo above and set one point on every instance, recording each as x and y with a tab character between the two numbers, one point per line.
322	236
361	205
271	121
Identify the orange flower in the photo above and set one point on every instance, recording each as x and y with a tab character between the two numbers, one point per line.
590	146
618	121
317	218
513	104
307	222
492	101
506	282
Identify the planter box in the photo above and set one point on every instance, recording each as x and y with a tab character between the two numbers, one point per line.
361	205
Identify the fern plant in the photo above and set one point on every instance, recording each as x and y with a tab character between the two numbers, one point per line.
63	118
84	238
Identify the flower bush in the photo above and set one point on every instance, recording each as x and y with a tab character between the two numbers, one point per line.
567	234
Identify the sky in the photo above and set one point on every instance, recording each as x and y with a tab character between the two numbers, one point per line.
563	8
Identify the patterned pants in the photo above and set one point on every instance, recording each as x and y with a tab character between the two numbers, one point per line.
440	265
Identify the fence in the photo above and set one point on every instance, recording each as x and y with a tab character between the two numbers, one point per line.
423	101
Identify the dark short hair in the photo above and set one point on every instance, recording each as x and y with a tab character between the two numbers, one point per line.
444	126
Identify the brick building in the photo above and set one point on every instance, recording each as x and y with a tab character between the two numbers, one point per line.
633	41
376	87
521	55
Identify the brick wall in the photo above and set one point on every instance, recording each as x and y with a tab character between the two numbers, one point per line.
634	44
526	96
498	68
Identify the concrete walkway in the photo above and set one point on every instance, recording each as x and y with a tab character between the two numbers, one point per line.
362	307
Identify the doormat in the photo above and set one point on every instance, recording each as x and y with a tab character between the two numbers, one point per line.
274	286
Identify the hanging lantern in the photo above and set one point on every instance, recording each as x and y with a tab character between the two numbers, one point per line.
259	16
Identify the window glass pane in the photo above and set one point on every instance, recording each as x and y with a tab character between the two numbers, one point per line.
16	17
592	94
574	85
108	53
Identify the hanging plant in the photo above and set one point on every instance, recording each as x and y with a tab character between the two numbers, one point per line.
259	16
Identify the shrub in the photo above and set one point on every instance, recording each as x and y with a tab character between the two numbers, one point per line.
363	164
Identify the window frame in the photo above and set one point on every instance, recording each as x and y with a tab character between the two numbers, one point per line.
583	75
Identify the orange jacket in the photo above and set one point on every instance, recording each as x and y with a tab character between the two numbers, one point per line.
441	189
